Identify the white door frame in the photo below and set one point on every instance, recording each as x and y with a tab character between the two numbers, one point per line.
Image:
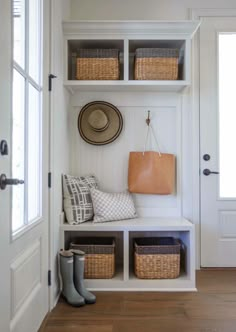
197	14
52	302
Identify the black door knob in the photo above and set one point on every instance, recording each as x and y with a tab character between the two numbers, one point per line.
3	148
206	157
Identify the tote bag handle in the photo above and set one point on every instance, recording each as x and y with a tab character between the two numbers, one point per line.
150	130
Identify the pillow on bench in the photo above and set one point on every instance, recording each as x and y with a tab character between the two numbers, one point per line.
112	206
77	200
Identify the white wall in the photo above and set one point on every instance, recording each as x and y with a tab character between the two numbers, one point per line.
141	9
59	131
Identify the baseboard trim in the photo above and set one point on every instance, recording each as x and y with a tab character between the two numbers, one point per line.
44	322
218	269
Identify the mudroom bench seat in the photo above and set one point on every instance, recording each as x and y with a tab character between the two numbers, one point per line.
124	232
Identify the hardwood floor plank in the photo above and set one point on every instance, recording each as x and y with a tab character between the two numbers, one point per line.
211	309
80	328
216	281
175	325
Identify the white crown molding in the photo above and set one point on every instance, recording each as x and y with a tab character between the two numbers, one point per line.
197	13
185	29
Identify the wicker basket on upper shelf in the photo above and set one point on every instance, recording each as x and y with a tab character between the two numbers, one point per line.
99	256
157	257
156	64
97	64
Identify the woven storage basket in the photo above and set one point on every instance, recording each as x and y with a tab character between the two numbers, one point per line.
156	64
99	256
157	258
97	64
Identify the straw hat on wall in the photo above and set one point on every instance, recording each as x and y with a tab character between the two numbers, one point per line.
99	123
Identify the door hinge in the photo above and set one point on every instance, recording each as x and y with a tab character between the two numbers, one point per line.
50	77
49	278
49	180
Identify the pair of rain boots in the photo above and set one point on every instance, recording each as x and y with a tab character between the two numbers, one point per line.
72	275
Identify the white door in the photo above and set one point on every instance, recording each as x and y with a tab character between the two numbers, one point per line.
217	141
23	207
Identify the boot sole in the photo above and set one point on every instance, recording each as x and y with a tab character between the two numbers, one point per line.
90	302
77	305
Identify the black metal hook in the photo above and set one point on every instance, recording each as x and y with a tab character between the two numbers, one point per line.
148	120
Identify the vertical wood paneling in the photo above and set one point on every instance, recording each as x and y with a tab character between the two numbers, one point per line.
110	162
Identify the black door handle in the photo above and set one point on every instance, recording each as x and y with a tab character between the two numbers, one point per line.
207	172
4	181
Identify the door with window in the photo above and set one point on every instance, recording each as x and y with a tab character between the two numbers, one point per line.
23	164
217	141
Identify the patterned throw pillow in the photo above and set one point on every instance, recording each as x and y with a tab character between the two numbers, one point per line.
112	206
77	201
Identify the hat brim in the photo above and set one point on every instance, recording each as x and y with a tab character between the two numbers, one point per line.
106	136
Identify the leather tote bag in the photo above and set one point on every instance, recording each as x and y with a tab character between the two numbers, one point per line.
151	172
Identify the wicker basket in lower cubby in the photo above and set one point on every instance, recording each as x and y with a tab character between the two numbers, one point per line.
157	258
99	256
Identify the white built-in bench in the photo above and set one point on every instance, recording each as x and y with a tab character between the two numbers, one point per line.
124	231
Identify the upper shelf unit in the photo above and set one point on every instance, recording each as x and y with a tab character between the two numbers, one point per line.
127	37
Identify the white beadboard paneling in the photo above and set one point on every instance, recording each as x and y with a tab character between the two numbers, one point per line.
25	276
110	162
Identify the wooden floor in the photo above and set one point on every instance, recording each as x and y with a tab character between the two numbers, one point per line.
211	309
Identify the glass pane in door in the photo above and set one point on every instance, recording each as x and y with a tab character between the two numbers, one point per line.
34	40
18	150
19	32
34	155
227	114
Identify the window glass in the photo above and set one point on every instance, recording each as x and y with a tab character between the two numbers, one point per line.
18	150
34	155
34	40
26	113
19	32
227	114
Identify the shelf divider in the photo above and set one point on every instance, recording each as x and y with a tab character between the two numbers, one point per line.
126	255
126	60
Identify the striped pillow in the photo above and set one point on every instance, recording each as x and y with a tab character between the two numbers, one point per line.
77	200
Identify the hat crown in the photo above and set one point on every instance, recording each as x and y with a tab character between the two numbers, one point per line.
99	123
98	120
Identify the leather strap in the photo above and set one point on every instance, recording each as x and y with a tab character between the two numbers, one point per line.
155	139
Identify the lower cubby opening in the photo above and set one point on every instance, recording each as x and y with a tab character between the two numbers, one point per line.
124	232
183	236
74	237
